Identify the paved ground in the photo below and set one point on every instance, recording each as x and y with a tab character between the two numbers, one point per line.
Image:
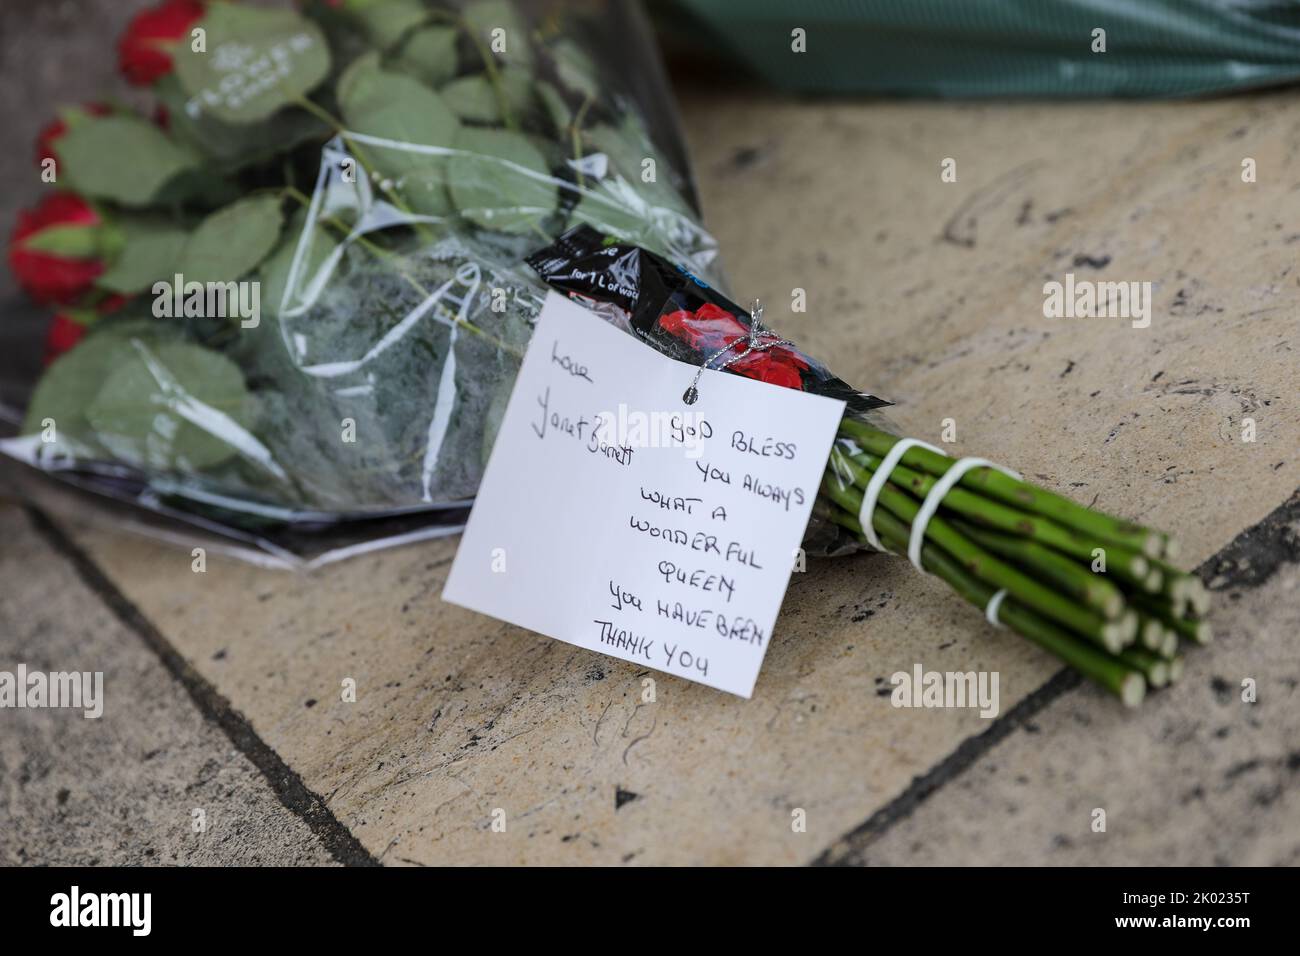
931	293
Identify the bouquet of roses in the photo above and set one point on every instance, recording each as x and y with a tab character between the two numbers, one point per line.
293	297
297	297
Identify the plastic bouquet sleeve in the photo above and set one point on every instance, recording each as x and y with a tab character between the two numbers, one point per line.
287	307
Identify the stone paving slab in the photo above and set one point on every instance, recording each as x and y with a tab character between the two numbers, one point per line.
928	293
931	294
120	789
1203	760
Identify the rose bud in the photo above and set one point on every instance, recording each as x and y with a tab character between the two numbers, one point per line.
55	249
65	332
55	131
69	326
143	50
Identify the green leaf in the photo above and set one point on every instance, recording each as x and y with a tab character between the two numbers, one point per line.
386	22
490	181
575	68
72	381
351	87
611	216
425	191
176	405
394	106
483	17
230	146
275	271
557	108
397	107
472	98
627	149
149	251
232	241
64	392
122	158
258	61
475	98
430	55
68	242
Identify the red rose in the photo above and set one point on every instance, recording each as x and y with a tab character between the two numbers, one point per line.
711	327
776	366
64	333
68	328
707	329
45	141
143	50
50	276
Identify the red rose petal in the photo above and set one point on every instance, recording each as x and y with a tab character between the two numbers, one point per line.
63	334
141	53
46	277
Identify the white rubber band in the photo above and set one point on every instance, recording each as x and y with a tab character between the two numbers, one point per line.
877	482
932	501
991	609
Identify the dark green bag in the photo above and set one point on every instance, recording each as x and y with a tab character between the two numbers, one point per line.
969	48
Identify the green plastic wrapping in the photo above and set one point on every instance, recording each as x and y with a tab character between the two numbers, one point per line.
1006	48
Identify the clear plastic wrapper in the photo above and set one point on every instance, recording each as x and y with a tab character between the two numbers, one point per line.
320	364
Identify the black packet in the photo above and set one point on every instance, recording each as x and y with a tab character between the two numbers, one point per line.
683	317
650	292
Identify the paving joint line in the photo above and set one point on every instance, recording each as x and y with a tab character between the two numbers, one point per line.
284	781
1264	546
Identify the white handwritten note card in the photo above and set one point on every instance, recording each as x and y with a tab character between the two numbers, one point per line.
616	517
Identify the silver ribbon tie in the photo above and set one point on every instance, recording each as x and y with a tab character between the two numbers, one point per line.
759	339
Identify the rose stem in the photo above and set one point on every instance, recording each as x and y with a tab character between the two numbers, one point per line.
1121	562
1019	493
1151	633
1198	631
975	560
1154	668
1112	674
1074	579
1179	585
